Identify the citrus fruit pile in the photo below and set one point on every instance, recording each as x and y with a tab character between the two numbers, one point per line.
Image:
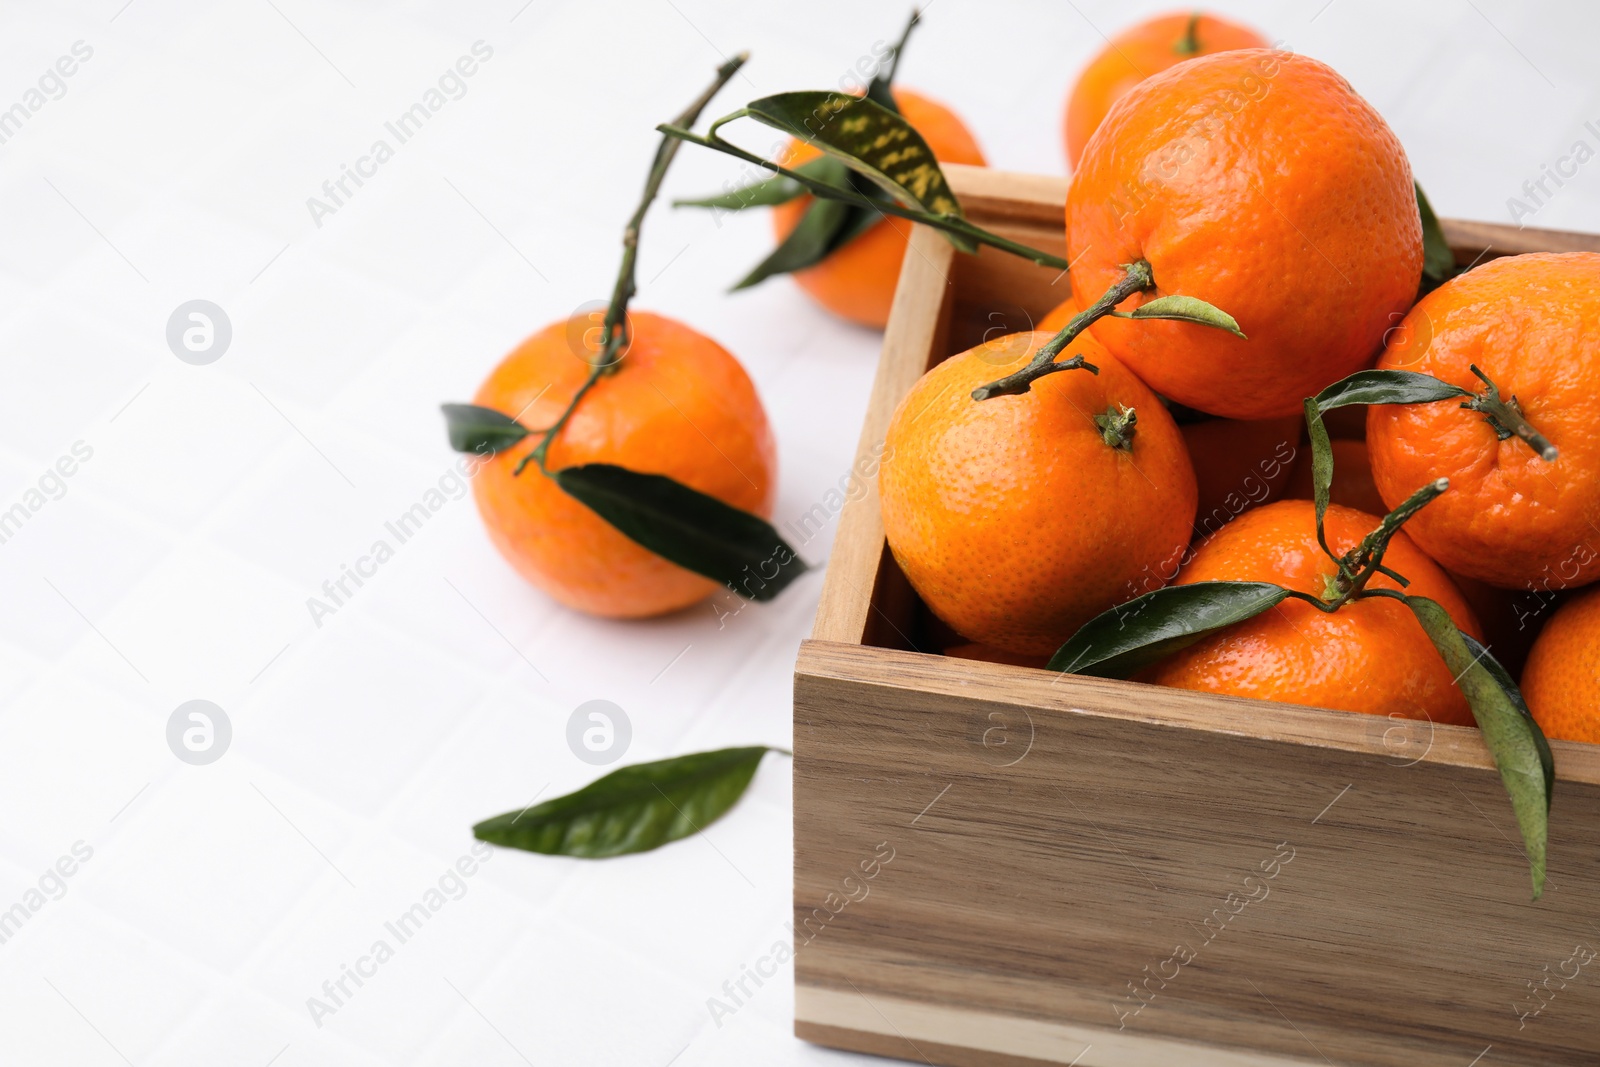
1207	168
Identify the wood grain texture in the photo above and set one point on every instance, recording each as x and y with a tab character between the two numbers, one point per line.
1477	241
919	321
882	1024
1055	839
1027	897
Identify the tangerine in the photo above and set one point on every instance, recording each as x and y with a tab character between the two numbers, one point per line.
1370	655
1511	518
1134	55
1260	182
1561	681
679	404
1019	519
1239	464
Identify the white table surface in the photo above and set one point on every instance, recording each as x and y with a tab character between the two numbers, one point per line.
176	562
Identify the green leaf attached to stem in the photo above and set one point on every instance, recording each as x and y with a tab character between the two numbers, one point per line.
826	226
1438	262
1362	387
773	191
1387	387
1515	740
697	532
1518	745
1119	642
479	430
866	137
1184	309
632	809
961	233
1321	469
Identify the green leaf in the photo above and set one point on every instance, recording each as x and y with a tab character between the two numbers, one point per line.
1118	642
1184	309
869	139
1503	678
778	189
1514	739
1321	465
697	532
775	190
1438	262
1387	387
826	226
632	809
479	430
816	235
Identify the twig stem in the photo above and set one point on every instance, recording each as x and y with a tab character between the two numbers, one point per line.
1136	279
1505	415
948	223
614	333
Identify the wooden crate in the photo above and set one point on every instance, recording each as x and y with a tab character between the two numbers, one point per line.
997	865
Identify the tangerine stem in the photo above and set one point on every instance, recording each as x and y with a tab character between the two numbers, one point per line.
1117	425
900	47
1358	566
1136	279
624	289
615	330
1189	43
827	191
1506	418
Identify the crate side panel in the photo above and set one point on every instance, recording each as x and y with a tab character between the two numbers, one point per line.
1381	907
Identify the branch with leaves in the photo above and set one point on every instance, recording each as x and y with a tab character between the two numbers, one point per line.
698	532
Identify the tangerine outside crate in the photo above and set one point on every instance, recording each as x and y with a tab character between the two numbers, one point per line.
996	865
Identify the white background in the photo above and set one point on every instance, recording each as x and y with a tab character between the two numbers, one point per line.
178	563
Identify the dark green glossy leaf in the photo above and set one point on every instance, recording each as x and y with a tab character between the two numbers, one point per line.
1438	262
1184	309
1321	465
816	235
1518	745
775	190
632	809
479	430
1503	678
1117	643
826	226
1387	387
869	139
697	532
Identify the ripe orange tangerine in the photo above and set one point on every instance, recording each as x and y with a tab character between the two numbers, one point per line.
679	404
1370	656
1137	53
1260	182
1511	518
1561	682
1019	519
